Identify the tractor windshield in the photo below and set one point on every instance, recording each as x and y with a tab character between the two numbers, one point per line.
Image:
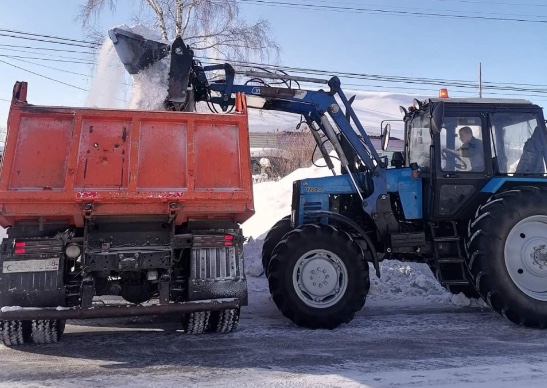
518	143
418	140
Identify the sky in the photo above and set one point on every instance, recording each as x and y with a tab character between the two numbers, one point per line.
386	38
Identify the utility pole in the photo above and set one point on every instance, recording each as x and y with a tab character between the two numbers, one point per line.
480	80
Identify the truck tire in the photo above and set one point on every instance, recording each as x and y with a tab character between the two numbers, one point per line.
196	323
507	245
449	273
47	331
224	321
318	277
14	333
274	236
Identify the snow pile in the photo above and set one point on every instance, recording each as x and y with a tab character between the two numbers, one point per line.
273	200
404	279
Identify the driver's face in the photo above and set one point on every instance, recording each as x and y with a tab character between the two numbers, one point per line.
465	137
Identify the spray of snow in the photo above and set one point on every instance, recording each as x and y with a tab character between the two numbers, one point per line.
150	87
108	78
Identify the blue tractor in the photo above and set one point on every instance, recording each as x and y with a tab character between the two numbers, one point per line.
468	196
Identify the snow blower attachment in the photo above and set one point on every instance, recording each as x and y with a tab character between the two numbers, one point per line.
138	53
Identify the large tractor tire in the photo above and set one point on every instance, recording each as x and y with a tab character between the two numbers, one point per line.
274	236
453	271
507	246
318	277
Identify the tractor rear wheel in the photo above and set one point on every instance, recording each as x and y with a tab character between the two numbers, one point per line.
507	245
274	236
318	277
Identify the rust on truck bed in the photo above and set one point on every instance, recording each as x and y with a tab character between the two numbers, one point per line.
63	163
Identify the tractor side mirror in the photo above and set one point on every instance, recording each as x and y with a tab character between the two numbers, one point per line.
385	136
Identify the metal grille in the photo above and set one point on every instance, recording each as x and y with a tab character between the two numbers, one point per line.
215	263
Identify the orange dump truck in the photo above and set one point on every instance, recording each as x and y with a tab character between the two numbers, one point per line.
141	204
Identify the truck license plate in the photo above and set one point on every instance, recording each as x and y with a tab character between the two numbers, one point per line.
31	265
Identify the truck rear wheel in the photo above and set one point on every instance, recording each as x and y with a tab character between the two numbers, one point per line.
224	321
196	323
274	236
14	333
46	331
507	245
318	277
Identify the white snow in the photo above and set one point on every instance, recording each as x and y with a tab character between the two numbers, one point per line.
6	309
109	75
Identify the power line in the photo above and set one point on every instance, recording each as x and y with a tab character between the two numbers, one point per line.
459	84
46	41
372	77
48	59
35	53
387	12
493	3
488	12
51	79
63	70
47	49
52	68
43	76
51	37
399	79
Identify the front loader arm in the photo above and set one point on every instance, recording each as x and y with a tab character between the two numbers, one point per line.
189	83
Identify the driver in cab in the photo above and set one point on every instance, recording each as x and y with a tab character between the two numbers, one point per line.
471	149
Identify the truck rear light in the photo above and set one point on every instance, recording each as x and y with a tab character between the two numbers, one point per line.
19	247
228	240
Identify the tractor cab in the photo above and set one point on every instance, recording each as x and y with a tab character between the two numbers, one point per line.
461	144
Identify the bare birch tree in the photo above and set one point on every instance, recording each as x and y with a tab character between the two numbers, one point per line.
212	25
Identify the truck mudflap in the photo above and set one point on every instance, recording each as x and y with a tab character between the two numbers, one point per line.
16	313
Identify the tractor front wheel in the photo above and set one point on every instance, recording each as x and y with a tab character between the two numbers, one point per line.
318	277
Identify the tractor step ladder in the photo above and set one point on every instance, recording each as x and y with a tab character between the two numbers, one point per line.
448	258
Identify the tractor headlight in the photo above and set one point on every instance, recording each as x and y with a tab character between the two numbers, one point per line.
73	251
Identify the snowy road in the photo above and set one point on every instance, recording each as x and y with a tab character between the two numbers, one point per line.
407	342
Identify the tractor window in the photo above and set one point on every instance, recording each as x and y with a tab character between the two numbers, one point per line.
461	144
419	141
517	147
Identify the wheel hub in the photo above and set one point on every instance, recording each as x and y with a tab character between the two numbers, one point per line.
526	256
320	278
540	257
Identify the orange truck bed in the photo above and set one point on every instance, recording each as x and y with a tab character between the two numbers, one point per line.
63	163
